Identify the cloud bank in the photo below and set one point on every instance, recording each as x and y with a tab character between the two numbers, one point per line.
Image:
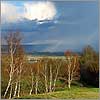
40	11
76	26
36	10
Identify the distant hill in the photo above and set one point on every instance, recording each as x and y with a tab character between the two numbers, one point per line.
48	53
34	50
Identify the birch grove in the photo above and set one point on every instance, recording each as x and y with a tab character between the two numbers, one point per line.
44	73
16	61
41	74
50	73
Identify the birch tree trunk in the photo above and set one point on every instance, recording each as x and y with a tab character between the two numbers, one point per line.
8	86
15	91
16	86
69	72
11	68
19	89
19	86
50	86
46	84
37	79
58	67
36	88
74	67
31	83
10	92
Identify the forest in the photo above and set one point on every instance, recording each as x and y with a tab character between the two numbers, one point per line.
72	76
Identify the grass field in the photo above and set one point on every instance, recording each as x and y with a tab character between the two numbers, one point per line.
74	93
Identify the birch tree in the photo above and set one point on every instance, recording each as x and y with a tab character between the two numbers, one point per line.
50	82
31	82
46	77
13	41
45	72
20	54
51	71
72	66
37	78
57	64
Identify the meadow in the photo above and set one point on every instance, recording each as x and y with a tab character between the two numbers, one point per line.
75	92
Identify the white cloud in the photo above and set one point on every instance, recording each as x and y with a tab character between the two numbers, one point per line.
10	12
43	42
41	10
36	10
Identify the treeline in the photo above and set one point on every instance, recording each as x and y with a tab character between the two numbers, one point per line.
20	77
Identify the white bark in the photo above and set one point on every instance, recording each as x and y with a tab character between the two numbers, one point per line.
13	42
19	89
10	92
69	72
36	87
15	91
50	85
31	91
58	67
19	86
11	68
69	83
46	84
37	79
9	83
31	83
74	66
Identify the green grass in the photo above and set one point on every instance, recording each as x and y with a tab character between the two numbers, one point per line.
74	93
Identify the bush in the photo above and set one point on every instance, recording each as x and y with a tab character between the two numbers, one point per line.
90	67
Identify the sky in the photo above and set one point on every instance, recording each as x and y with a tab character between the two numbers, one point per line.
52	25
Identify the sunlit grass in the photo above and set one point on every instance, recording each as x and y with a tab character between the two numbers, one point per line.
74	92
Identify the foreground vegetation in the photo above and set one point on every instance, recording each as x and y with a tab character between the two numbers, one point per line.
64	93
48	77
